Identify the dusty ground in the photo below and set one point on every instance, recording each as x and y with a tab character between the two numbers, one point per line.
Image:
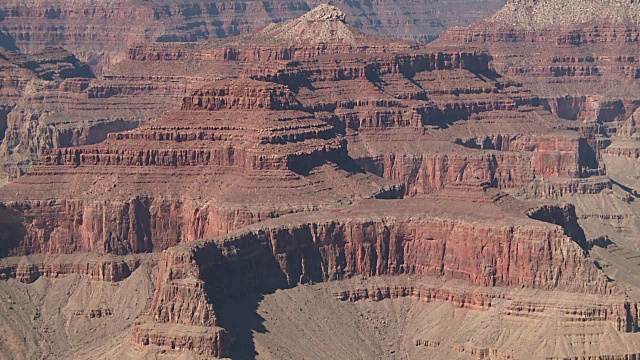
308	322
611	219
73	318
70	318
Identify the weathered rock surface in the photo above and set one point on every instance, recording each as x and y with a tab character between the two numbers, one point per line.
579	56
47	104
623	315
285	127
312	152
87	265
382	237
243	136
92	30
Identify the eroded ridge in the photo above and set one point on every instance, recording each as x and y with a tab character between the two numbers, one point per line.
376	238
252	141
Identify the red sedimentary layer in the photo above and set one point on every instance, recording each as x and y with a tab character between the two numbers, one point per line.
581	56
87	28
284	254
205	341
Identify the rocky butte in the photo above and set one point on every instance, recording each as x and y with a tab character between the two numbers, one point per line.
309	190
93	29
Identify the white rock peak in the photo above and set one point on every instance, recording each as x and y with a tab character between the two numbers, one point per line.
325	12
325	24
539	14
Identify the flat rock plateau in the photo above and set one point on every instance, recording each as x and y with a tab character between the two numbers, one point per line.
286	181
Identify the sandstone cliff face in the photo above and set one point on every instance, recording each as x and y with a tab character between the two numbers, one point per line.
334	250
242	95
285	254
136	226
243	135
424	174
511	162
142	224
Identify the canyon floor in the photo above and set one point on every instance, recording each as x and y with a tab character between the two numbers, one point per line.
77	318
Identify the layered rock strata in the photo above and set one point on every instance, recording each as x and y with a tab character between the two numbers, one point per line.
89	266
399	86
251	143
622	314
377	237
91	30
305	153
581	57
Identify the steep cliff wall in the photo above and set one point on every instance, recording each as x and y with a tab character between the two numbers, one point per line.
286	252
505	162
113	227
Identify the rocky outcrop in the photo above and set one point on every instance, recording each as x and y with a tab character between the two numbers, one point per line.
137	226
320	127
626	142
563	215
260	162
365	252
429	173
30	133
316	248
568	57
553	189
465	300
46	106
510	162
242	95
240	132
623	314
591	108
569	14
205	341
88	266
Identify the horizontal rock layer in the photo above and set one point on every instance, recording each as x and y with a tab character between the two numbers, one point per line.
88	29
193	277
89	266
623	314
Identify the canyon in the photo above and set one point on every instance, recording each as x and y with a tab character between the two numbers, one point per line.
311	189
93	30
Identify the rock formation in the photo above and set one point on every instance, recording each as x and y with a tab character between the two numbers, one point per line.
92	30
399	237
580	56
313	155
